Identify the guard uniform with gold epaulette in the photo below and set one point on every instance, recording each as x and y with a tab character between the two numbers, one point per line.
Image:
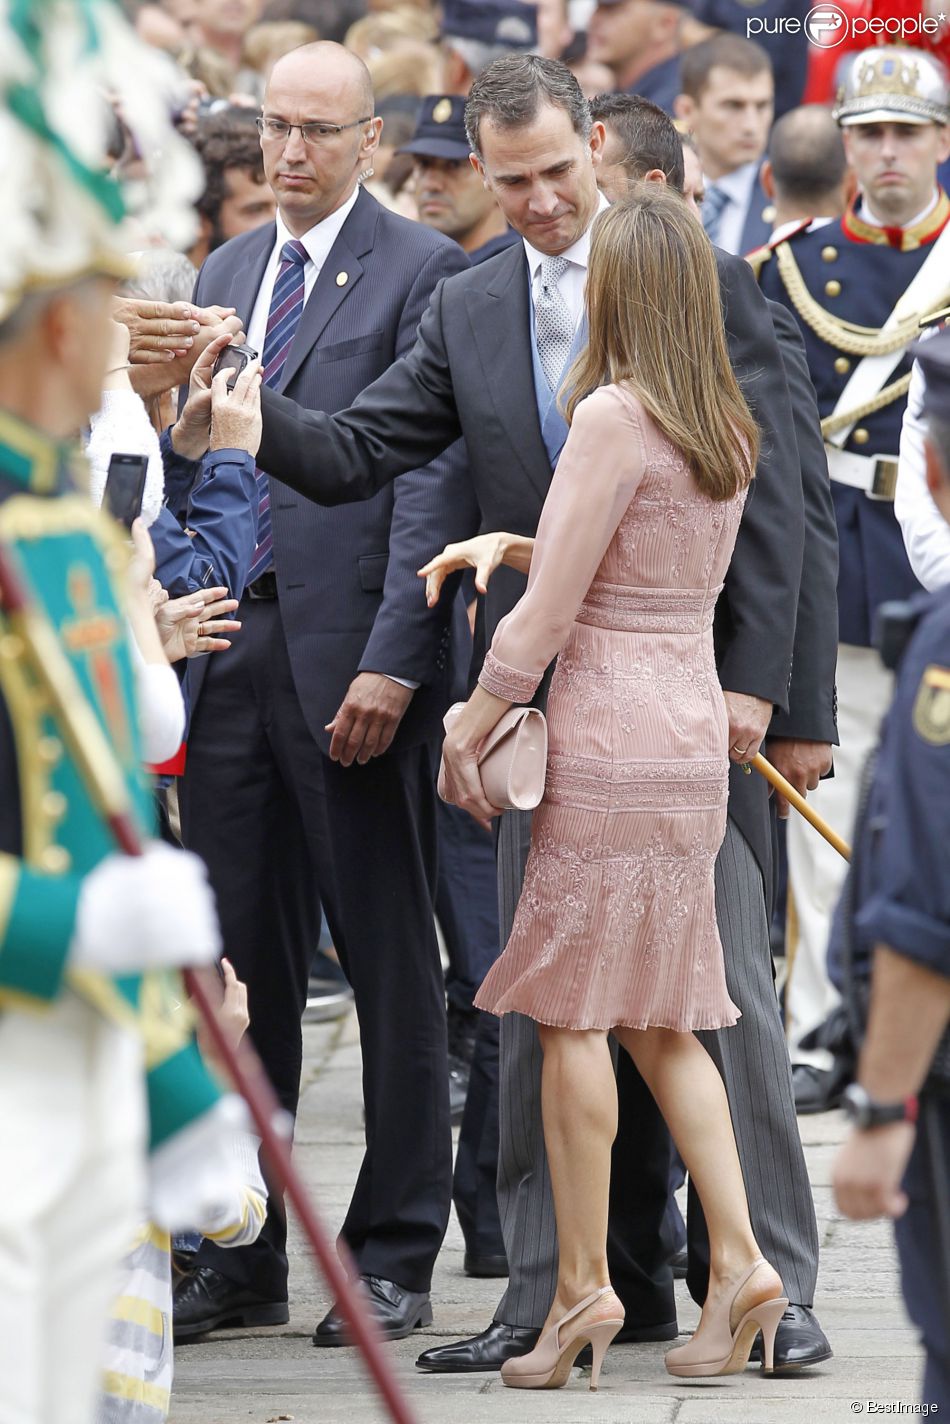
51	833
844	276
843	282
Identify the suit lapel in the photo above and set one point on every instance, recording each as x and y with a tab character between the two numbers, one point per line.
501	326
247	276
339	274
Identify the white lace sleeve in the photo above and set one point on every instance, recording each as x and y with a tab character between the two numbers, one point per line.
122	425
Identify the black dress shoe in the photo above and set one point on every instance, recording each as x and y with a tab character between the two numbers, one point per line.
819	1090
206	1300
800	1342
633	1334
397	1313
487	1351
476	1265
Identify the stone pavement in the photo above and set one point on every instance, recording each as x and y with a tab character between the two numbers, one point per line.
258	1376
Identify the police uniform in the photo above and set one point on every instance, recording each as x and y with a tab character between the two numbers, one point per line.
858	291
505	24
440	133
900	897
661	82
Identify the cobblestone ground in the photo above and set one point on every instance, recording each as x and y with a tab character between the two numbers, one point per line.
258	1376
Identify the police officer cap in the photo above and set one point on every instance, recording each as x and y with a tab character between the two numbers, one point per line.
894	85
440	129
934	357
511	23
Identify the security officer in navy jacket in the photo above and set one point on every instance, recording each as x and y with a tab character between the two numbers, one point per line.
858	288
897	918
312	748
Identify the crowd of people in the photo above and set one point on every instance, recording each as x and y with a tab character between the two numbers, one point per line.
495	353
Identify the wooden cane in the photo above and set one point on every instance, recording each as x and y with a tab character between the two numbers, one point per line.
796	799
34	639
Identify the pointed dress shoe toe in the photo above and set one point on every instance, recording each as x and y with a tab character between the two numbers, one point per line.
800	1342
485	1352
206	1300
397	1312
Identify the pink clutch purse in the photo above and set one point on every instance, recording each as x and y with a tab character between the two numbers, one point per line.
512	758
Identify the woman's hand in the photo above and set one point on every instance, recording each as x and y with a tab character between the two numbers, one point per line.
236	415
191	626
484	554
465	734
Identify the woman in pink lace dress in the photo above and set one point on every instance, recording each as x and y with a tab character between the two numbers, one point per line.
616	926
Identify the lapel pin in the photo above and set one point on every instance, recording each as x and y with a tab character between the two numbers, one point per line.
342	278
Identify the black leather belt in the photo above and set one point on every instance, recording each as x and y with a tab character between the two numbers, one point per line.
264	586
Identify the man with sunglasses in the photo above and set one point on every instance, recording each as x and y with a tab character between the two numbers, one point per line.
311	757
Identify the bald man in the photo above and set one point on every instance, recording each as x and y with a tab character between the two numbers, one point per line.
311	766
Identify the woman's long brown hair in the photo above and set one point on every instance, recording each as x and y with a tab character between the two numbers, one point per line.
655	324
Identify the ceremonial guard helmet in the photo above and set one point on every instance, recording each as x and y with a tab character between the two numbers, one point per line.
894	85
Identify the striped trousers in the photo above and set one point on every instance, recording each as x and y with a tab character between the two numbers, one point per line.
753	1061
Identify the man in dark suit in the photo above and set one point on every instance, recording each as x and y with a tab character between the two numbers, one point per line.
312	752
475	371
726	101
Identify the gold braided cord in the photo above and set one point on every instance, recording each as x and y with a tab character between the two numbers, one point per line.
842	335
895	391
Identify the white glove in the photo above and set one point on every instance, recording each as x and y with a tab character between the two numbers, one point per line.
196	1182
151	911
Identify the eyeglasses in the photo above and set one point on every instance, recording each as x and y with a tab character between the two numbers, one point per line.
276	131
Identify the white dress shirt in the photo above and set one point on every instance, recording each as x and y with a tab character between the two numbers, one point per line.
571	286
739	186
926	532
318	242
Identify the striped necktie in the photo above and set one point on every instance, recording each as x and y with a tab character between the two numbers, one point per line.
286	306
715	204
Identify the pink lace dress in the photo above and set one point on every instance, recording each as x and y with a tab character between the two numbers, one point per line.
616	924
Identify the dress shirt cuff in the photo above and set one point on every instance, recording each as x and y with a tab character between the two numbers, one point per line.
402	681
506	682
907	931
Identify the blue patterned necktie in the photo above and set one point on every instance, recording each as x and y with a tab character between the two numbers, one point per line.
286	306
715	204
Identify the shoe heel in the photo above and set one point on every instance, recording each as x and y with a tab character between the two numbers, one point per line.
768	1315
600	1337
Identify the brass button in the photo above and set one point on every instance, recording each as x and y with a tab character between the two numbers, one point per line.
842	365
860	436
50	750
829	254
55	805
55	859
833	288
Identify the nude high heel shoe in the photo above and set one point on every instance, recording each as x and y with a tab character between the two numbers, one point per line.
722	1350
548	1365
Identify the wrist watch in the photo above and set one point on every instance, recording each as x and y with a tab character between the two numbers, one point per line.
865	1113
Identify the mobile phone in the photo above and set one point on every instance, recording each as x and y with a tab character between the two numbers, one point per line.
234	358
125	486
